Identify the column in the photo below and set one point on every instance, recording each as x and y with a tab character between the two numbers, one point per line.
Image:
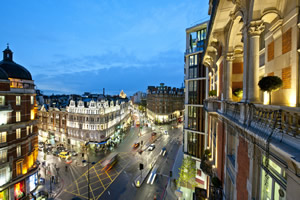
254	30
229	59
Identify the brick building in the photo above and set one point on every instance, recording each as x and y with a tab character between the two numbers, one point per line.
18	139
164	104
254	142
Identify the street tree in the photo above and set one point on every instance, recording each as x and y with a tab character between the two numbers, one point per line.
187	172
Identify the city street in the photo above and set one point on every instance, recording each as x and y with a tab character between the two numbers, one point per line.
118	182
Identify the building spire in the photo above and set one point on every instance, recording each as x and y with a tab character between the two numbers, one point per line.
7	54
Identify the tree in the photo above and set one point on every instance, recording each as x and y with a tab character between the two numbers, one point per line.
270	84
187	172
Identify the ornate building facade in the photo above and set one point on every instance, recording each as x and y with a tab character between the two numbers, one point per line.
254	142
164	104
18	130
96	120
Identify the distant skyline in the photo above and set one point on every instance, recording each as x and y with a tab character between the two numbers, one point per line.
75	46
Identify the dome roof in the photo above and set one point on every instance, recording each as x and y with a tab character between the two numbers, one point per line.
3	74
12	69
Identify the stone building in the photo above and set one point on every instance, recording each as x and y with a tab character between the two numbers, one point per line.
52	126
97	121
164	104
254	146
18	131
196	89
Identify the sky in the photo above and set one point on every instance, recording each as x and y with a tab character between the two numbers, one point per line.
76	46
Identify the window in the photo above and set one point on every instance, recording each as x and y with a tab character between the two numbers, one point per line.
3	176
32	100
18	116
18	133
31	129
19	166
2	100
2	137
231	147
32	115
3	156
27	130
19	151
18	100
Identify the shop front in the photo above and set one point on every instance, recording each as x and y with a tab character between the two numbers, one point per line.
19	190
32	182
4	195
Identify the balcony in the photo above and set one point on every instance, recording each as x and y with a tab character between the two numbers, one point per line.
277	125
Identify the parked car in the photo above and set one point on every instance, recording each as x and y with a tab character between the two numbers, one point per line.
151	147
136	145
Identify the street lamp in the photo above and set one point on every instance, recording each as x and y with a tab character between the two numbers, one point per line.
88	164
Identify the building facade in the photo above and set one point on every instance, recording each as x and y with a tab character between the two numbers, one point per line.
96	120
164	104
52	126
254	142
196	90
18	139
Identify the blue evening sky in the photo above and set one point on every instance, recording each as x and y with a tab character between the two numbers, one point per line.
73	46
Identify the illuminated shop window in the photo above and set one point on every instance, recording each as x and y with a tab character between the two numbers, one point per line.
18	100
27	130
4	176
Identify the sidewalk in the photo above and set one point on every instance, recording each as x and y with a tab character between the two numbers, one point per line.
54	188
171	188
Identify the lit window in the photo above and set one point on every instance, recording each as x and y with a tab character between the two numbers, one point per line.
32	100
18	133
2	100
18	150
2	137
31	128
3	176
27	130
3	156
19	166
18	100
18	116
32	115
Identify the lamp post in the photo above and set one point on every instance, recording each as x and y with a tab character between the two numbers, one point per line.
88	164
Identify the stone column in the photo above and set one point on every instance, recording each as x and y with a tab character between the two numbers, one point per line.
254	30
229	59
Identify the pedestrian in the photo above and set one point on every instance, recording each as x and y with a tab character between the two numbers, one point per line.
66	168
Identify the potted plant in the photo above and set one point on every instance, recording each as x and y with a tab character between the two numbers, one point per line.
212	93
270	84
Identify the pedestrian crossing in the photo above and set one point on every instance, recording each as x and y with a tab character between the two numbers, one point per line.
98	178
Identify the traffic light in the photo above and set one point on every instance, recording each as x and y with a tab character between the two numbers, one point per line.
141	166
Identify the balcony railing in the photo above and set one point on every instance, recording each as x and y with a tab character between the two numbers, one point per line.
264	118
